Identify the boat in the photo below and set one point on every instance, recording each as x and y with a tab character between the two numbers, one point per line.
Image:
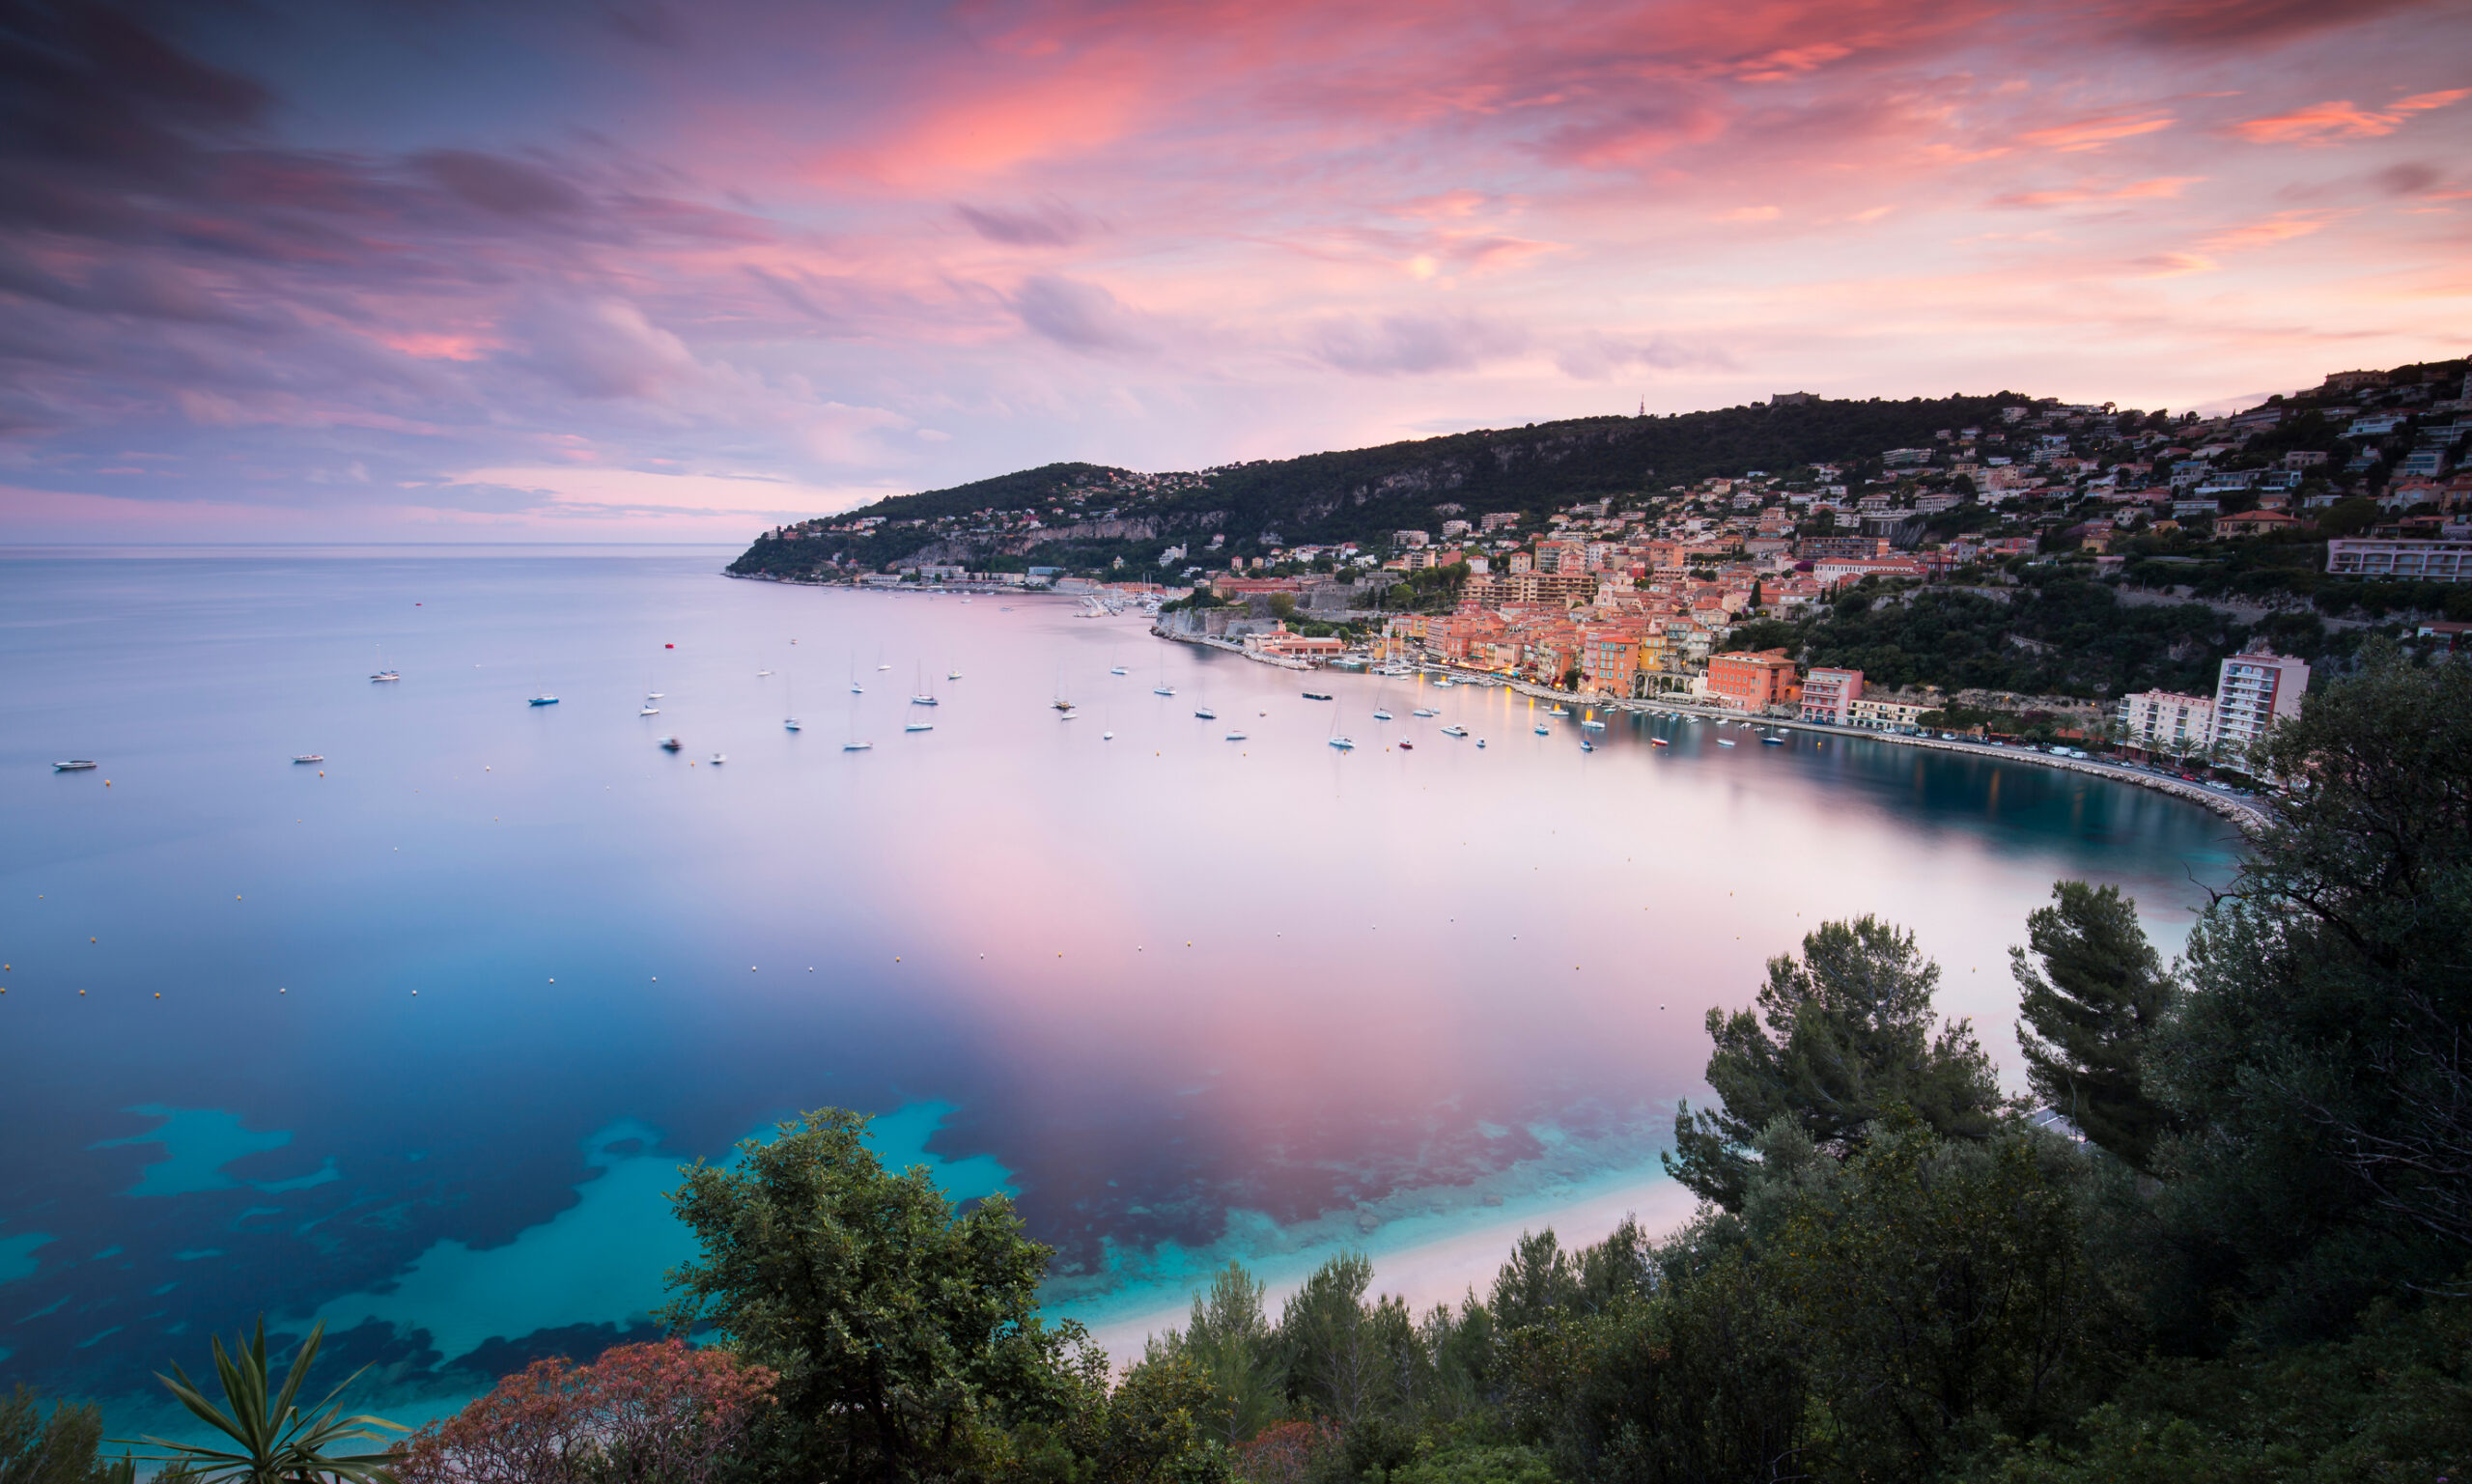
856	747
650	696
310	757
1235	737
1116	669
1381	716
954	674
1205	714
543	700
1480	742
1586	745
385	675
920	726
1163	690
1061	704
1454	731
649	710
1317	695
1724	741
719	758
74	766
1542	730
1591	724
1557	711
790	723
1443	682
1342	743
922	700
1772	742
1406	745
1659	742
1425	710
1107	737
760	674
670	744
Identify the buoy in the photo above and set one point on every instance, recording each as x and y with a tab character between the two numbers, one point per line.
158	993
669	646
554	981
283	992
416	994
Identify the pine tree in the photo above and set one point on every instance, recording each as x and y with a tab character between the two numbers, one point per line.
2090	1011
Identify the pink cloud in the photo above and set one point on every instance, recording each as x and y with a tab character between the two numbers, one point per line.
2338	121
2083	134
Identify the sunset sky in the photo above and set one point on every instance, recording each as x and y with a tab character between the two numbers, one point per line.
421	270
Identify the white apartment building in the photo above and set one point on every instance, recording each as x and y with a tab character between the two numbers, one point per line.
2168	721
2423	561
2254	692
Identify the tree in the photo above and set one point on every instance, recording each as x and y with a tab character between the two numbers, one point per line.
905	1334
1230	1340
656	1414
1283	605
1848	1034
2091	1011
2323	1056
58	1447
277	1442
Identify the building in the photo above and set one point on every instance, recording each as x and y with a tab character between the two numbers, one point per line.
1828	695
2420	561
1881	713
2167	722
2256	691
1753	683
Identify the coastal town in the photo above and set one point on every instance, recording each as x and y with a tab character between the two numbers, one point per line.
1678	595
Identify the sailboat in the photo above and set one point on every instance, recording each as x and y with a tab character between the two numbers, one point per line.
1343	743
384	673
924	697
790	688
854	745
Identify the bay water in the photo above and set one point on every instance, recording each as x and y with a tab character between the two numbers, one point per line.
414	1038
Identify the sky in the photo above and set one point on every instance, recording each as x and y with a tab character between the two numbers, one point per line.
427	270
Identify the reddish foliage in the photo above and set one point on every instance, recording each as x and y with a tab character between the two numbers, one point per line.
1281	1452
664	1411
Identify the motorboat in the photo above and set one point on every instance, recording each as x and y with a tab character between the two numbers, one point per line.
1107	737
1205	714
857	746
1591	724
74	766
1480	742
1235	737
760	674
1586	745
1724	741
1116	669
1317	695
719	758
1557	711
670	744
1381	716
1454	731
1406	745
920	726
1424	710
385	675
1342	743
1659	742
789	723
1542	730
954	674
310	757
649	710
543	700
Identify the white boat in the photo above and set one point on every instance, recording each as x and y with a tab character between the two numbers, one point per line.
1205	714
954	674
1454	731
1441	682
1724	741
543	700
310	757
760	674
1107	737
1116	669
385	675
74	766
1381	716
1235	737
1480	742
670	744
1342	743
1557	711
856	747
1425	710
650	696
1586	745
649	710
719	758
922	700
1592	724
920	726
790	723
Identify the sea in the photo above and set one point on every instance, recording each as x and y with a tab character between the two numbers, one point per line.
414	1038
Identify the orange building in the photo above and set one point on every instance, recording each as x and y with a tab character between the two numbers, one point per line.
1753	683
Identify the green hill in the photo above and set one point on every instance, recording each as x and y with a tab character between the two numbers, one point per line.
1090	514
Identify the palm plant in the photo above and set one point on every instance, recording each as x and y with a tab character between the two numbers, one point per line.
276	1442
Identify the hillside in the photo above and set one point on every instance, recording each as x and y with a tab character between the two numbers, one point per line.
1087	515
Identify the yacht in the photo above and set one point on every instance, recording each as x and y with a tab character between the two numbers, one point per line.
670	744
1235	737
1116	669
1425	710
387	675
1454	731
649	696
1342	743
760	674
1381	716
920	726
1205	714
1724	741
1591	724
1163	690
74	766
922	700
310	757
543	700
856	747
1772	742
650	710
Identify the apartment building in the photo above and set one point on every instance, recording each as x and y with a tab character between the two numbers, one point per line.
2168	721
1753	683
1829	695
2256	691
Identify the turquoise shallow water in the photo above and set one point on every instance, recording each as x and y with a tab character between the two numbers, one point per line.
440	1017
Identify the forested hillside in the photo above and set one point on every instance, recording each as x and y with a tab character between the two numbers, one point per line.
1089	513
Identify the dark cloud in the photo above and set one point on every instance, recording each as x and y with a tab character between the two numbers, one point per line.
2409	178
1050	224
1414	343
1082	315
495	184
2238	22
